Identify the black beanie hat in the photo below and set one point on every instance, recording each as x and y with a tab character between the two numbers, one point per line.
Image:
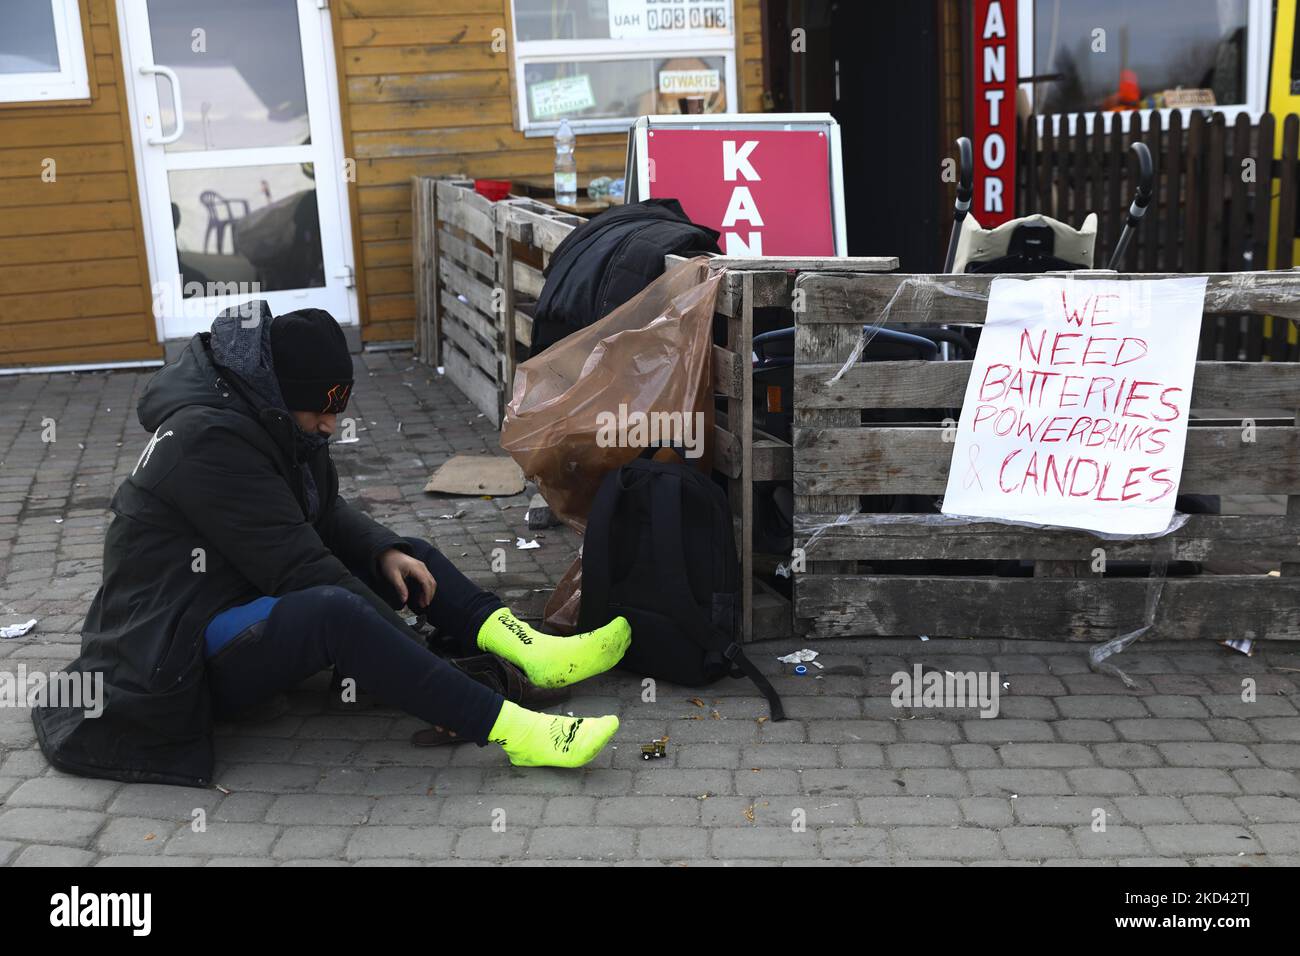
312	362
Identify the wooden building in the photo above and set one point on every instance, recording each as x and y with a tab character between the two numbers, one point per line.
127	222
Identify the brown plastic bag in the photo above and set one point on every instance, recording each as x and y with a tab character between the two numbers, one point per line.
565	422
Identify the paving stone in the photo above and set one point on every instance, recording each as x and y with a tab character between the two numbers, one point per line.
400	842
763	842
909	811
987	811
1113	841
320	809
582	842
673	843
62	791
45	825
311	841
223	839
946	842
61	856
1212	754
1160	780
1183	767
1200	839
1036	842
136	835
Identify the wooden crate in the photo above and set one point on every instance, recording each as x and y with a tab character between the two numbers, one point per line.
743	453
476	262
458	299
838	458
528	232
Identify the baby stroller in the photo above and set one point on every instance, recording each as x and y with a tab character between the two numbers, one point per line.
773	370
1036	244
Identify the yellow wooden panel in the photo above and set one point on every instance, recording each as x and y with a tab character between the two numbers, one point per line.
402	331
105	68
406	31
437	142
423	115
107	244
68	160
389	281
386	225
391	308
104	101
70	275
92	187
378	254
77	217
81	353
606	160
72	304
46	131
400	8
421	59
420	87
69	333
394	198
102	40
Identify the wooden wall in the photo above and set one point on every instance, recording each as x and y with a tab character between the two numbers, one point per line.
422	92
74	280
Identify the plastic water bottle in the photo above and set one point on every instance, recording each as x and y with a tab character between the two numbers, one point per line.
566	167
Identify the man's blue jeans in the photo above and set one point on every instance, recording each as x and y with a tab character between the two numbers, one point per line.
281	642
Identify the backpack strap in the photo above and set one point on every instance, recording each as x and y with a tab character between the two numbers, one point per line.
596	559
743	665
670	556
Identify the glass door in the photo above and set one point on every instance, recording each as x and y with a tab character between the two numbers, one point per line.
241	167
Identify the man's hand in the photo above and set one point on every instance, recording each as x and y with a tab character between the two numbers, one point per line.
396	566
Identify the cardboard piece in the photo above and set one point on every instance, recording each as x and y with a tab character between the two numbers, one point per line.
477	475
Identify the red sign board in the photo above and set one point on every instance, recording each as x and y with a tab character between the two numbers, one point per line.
994	84
767	191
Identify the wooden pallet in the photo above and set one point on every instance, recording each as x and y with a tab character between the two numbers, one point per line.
837	458
528	232
743	453
477	262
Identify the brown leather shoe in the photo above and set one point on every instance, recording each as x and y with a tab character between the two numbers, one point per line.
504	678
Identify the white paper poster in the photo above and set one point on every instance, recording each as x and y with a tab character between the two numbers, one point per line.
1076	409
569	94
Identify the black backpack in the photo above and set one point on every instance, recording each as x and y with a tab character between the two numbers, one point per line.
660	550
609	259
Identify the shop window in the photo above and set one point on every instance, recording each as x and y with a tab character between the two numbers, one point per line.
42	51
602	63
1133	57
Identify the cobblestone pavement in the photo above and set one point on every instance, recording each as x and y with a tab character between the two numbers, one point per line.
1180	770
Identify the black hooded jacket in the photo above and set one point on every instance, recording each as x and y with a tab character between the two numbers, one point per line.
214	514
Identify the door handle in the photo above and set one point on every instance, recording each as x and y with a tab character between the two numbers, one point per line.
177	111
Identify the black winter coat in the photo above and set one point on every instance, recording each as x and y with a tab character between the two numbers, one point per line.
214	514
608	260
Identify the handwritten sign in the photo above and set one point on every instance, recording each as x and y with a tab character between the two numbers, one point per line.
1076	409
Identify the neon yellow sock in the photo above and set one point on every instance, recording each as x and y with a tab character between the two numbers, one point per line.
550	660
531	739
